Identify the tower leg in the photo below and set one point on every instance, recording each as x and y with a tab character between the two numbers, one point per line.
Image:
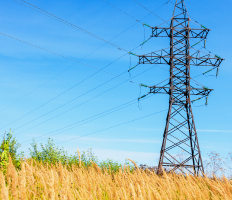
180	135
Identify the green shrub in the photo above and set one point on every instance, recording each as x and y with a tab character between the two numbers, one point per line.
48	153
52	154
9	146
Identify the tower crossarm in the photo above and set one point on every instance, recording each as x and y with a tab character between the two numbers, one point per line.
181	91
164	57
158	57
179	32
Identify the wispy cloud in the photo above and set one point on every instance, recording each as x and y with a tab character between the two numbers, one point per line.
145	129
95	139
216	131
198	130
108	140
118	155
117	140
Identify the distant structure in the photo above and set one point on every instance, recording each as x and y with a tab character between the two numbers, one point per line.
180	131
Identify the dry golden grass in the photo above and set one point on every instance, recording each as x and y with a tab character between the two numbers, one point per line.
41	181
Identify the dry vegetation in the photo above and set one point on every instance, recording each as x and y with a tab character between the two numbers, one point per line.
43	181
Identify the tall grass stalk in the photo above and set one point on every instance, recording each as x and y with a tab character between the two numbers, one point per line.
37	180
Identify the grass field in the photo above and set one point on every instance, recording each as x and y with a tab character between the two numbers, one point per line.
42	181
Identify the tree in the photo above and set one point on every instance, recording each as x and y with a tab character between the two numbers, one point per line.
229	164
49	153
9	147
215	165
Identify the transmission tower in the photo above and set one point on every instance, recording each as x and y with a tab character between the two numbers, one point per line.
180	131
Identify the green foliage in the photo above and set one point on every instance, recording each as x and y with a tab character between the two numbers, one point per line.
52	154
9	146
109	164
88	158
4	156
113	166
48	153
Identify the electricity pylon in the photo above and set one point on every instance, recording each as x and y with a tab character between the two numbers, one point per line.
180	131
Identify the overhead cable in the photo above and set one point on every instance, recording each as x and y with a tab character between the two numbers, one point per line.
42	11
87	120
108	127
150	10
78	104
116	76
63	57
36	88
122	11
69	59
114	126
71	66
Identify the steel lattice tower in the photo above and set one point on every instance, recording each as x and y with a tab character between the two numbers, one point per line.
180	131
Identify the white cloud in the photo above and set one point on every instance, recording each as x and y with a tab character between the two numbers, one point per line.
145	129
216	131
120	156
92	139
198	130
95	139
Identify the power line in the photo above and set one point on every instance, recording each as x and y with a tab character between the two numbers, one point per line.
92	118
106	128
66	58
64	93
36	88
115	126
60	74
122	11
72	99
71	65
140	20
150	10
44	12
100	115
78	104
118	76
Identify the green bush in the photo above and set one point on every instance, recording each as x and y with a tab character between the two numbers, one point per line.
48	153
52	154
9	146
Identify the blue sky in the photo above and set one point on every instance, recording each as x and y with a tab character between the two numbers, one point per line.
43	77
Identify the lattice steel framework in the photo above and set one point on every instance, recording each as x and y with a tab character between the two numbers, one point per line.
180	131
